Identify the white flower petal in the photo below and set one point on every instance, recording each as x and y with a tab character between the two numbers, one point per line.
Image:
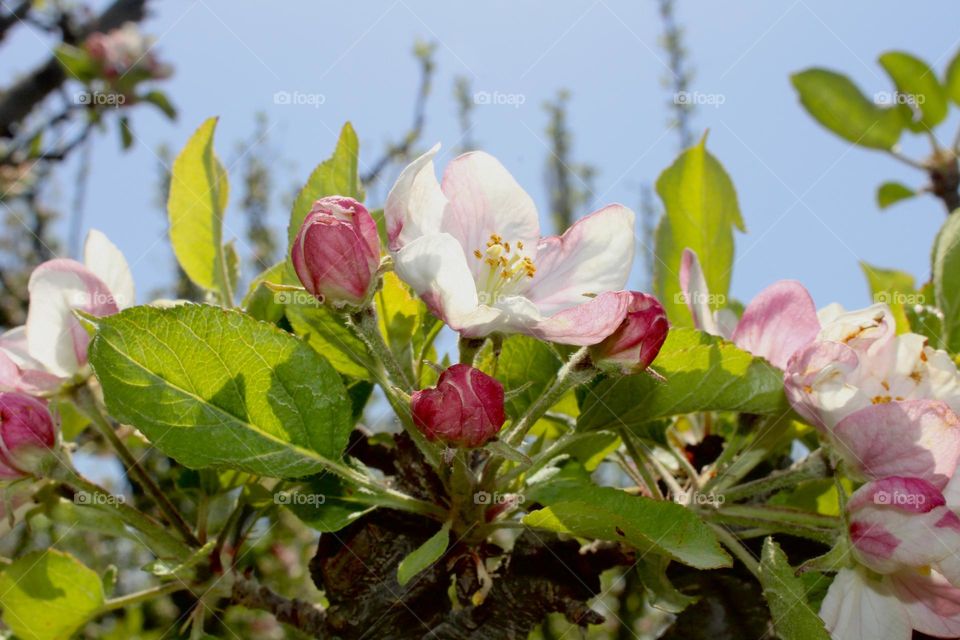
595	255
858	608
106	262
415	204
484	199
693	284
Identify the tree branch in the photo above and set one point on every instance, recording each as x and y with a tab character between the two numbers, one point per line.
305	616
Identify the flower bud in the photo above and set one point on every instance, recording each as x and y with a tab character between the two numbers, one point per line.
637	341
465	409
26	430
337	252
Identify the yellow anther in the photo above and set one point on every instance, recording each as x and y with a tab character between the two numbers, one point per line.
477	253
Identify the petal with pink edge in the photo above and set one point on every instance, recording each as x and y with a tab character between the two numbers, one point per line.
815	383
415	204
918	438
588	323
857	607
54	336
592	256
932	603
484	199
105	260
693	284
778	322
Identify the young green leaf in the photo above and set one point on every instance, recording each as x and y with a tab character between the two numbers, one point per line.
890	193
335	176
48	595
951	80
424	555
701	213
326	332
921	98
946	280
703	373
836	103
327	503
216	388
792	616
649	525
196	205
895	288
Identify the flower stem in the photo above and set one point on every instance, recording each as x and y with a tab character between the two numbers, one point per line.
141	596
743	554
90	407
468	348
578	370
640	462
812	467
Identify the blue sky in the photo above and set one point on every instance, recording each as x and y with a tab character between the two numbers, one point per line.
807	196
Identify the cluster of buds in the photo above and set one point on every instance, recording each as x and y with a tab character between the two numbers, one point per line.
124	50
337	252
27	435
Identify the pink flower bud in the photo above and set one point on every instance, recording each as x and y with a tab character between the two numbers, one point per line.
26	429
337	252
465	409
637	341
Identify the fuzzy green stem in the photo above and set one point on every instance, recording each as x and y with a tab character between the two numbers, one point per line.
91	408
812	467
640	462
141	596
578	370
743	554
468	348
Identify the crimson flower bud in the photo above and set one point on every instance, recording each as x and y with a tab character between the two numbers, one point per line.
465	409
637	341
337	252
26	429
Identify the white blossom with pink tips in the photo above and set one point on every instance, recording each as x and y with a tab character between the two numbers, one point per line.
470	246
51	347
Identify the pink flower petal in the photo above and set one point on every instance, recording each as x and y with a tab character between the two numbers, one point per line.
918	438
858	607
693	284
588	323
778	322
932	603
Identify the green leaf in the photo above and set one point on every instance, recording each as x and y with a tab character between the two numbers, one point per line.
160	100
326	332
400	313
703	373
921	98
215	388
126	134
336	176
701	212
327	503
48	595
663	595
424	555
895	288
526	366
197	202
792	616
951	80
836	103
656	526
261	301
890	193
946	280
77	63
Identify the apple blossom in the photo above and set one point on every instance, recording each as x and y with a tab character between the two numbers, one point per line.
337	252
26	428
471	249
123	50
637	341
465	409
780	320
52	346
